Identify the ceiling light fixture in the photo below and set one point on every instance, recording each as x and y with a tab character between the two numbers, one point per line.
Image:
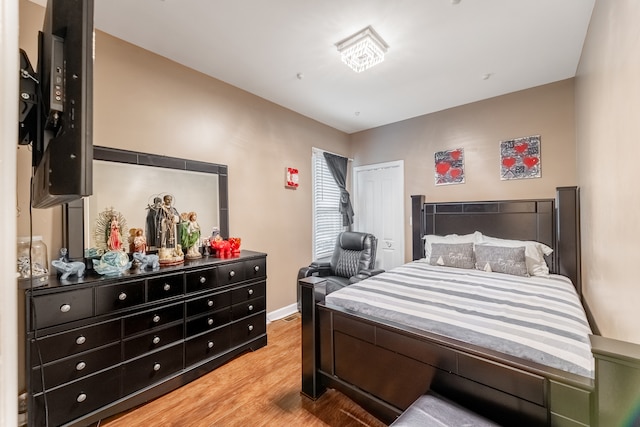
362	50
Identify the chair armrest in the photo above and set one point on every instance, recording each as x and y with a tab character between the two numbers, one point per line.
316	268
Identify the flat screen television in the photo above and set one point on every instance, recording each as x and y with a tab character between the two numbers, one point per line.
62	142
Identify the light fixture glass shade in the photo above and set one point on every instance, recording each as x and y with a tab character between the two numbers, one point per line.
362	50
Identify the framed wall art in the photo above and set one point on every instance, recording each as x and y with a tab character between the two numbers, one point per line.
520	158
449	167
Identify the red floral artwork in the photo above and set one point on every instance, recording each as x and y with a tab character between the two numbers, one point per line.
520	158
449	167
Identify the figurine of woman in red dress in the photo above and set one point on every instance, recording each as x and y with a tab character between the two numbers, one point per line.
114	243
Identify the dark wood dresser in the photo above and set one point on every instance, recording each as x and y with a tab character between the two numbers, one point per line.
97	346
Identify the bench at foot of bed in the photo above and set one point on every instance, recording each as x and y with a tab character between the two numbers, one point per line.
434	410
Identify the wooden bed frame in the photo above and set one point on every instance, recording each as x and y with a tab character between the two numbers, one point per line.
385	366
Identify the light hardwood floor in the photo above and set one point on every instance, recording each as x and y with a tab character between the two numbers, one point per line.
260	388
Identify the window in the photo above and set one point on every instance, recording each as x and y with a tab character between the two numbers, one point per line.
327	220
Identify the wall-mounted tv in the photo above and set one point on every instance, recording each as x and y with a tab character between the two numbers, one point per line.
62	141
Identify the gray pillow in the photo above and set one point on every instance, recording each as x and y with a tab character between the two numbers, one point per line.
501	259
459	255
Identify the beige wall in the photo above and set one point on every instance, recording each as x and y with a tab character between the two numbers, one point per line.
608	126
147	103
479	128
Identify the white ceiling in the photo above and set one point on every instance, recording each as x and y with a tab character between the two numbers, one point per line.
439	51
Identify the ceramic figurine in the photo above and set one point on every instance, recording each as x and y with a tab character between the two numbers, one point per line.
191	235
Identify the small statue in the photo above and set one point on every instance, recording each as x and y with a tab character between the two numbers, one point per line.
137	241
112	263
62	265
144	261
235	244
110	226
191	235
114	240
221	247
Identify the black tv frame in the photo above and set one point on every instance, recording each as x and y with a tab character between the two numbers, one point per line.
63	139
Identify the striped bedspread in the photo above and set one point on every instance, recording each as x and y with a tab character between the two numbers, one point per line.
535	318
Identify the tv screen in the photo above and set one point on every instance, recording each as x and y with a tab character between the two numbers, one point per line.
63	149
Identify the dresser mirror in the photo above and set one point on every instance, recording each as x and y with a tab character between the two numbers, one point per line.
128	181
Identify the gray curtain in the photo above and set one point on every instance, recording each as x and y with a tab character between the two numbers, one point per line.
338	167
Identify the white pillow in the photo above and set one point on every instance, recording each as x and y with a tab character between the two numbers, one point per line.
474	237
534	252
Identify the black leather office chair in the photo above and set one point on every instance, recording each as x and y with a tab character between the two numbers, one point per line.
353	260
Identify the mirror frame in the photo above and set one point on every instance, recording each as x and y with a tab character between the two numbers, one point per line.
73	215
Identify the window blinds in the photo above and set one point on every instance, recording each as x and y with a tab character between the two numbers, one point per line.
327	220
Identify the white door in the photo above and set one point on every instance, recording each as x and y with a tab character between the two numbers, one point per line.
379	209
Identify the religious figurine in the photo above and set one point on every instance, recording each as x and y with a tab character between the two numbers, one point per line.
152	229
114	240
137	241
170	250
168	221
109	228
191	235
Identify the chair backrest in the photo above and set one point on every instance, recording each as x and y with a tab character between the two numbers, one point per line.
354	252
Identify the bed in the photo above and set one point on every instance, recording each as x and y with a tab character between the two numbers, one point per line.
513	348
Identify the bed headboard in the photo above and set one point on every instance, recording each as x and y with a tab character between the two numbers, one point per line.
554	222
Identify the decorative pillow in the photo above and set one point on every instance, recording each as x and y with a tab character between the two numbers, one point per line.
430	239
534	252
459	255
501	259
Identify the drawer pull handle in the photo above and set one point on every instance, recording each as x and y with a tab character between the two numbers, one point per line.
156	367
210	303
250	328
210	321
80	366
156	340
250	291
250	307
232	273
166	287
80	340
256	268
81	398
203	279
210	344
65	308
156	319
122	296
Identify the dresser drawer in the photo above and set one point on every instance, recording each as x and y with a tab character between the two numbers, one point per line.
152	368
65	344
77	366
149	342
255	268
208	322
201	280
231	273
61	307
248	292
165	287
207	345
208	303
248	329
247	308
117	297
78	398
153	319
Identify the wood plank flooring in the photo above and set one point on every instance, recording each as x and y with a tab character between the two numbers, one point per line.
261	388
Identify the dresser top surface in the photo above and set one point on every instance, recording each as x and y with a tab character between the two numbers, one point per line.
91	278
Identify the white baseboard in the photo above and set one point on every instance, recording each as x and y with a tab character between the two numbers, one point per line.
282	312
